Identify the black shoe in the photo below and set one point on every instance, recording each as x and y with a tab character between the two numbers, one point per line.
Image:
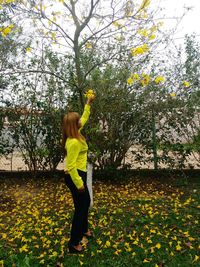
73	250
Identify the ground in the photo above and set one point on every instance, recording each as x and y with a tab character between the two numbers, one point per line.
138	222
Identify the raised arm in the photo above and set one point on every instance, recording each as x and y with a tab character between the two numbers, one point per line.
86	113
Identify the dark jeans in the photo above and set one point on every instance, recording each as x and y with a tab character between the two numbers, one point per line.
81	205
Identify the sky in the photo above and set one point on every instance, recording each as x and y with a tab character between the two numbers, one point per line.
190	22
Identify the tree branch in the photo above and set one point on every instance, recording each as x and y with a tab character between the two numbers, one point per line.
4	72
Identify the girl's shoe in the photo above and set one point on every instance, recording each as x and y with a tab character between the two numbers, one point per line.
89	234
84	242
73	250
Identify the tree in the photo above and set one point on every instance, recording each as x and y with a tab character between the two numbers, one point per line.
191	71
36	116
113	30
10	47
100	48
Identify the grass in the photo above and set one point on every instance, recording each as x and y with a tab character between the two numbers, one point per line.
136	223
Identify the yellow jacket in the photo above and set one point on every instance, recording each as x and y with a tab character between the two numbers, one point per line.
76	158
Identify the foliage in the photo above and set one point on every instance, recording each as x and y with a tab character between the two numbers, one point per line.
192	71
170	110
111	123
142	105
10	48
35	117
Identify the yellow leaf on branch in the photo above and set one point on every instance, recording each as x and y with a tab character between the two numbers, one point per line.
143	32
186	84
159	79
145	4
116	24
28	49
88	45
5	31
146	79
130	81
152	37
3	2
173	94
139	50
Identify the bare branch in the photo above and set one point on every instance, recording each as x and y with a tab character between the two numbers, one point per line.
20	71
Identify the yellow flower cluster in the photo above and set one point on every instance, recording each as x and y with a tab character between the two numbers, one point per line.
146	33
145	3
3	2
6	30
159	79
88	45
139	50
173	94
28	49
133	77
89	93
143	32
150	32
142	14
117	24
186	84
145	80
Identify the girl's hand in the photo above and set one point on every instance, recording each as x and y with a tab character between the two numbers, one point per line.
90	96
82	189
90	99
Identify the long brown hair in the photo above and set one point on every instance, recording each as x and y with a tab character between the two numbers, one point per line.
70	128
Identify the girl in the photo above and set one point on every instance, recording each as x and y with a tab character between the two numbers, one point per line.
75	174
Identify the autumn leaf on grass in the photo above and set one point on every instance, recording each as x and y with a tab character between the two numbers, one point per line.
127	247
4	236
152	249
178	247
159	265
152	231
158	245
23	248
196	258
81	262
146	260
189	245
54	254
107	244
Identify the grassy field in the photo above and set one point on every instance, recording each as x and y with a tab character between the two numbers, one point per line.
136	223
